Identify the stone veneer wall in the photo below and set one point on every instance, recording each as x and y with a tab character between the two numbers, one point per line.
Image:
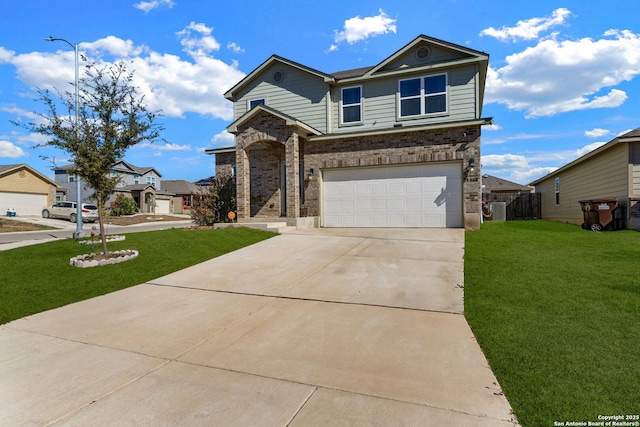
265	129
224	163
265	165
458	144
441	145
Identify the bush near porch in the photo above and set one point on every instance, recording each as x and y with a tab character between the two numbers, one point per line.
556	310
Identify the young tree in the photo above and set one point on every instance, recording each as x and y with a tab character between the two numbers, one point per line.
111	118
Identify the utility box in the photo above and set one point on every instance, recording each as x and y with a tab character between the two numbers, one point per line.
498	210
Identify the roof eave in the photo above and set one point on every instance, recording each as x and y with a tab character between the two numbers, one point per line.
289	121
387	131
585	157
474	54
230	94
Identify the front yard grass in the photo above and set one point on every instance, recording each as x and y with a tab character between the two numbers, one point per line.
38	278
556	310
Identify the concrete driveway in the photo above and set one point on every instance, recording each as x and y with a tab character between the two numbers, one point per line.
312	328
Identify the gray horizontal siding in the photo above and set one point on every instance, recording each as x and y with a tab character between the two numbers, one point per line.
299	95
438	55
634	150
380	102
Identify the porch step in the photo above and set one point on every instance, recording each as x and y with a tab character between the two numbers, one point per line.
274	227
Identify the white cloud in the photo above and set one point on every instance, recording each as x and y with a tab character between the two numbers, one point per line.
505	161
223	139
10	150
528	29
5	55
596	133
113	46
233	46
586	149
169	83
359	29
147	6
167	146
197	39
513	167
531	174
560	76
492	127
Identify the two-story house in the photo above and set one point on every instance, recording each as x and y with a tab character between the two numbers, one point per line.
141	183
392	145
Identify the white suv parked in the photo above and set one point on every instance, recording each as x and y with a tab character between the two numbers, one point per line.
68	210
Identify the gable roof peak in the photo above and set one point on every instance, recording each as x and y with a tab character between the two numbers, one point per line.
268	63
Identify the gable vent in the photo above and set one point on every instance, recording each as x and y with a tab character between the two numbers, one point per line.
278	76
423	53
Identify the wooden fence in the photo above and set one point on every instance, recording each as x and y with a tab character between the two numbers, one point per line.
519	206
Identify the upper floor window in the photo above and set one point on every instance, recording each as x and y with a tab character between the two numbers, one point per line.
557	191
72	177
151	180
423	96
113	174
136	179
254	102
351	105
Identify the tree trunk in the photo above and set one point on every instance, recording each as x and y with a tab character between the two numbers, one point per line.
105	250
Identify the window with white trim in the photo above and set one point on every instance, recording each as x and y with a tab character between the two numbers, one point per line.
557	182
72	177
136	179
423	96
255	102
151	180
351	105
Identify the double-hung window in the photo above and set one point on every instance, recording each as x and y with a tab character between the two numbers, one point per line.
151	180
72	177
423	96
351	105
136	179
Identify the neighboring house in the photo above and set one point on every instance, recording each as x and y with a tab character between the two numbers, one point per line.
494	188
143	184
612	170
25	190
392	145
182	191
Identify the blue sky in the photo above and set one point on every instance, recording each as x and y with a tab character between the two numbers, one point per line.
563	76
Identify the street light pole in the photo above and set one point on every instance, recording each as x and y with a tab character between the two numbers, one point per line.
78	184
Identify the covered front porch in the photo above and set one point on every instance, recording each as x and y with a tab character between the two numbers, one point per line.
269	166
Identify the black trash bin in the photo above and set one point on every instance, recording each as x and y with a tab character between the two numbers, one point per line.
598	213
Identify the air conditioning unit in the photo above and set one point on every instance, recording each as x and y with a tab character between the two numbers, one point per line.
499	210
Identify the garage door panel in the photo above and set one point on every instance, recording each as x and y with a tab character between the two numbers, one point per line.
395	196
23	203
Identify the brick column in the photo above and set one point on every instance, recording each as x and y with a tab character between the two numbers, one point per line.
292	159
243	184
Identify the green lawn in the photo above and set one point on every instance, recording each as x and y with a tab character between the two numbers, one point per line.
556	309
38	278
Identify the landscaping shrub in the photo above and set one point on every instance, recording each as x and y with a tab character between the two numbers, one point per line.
123	205
215	203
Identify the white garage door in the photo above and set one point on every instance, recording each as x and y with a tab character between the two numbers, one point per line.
394	196
163	206
24	204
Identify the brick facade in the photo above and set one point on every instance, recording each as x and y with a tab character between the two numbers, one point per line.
266	144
